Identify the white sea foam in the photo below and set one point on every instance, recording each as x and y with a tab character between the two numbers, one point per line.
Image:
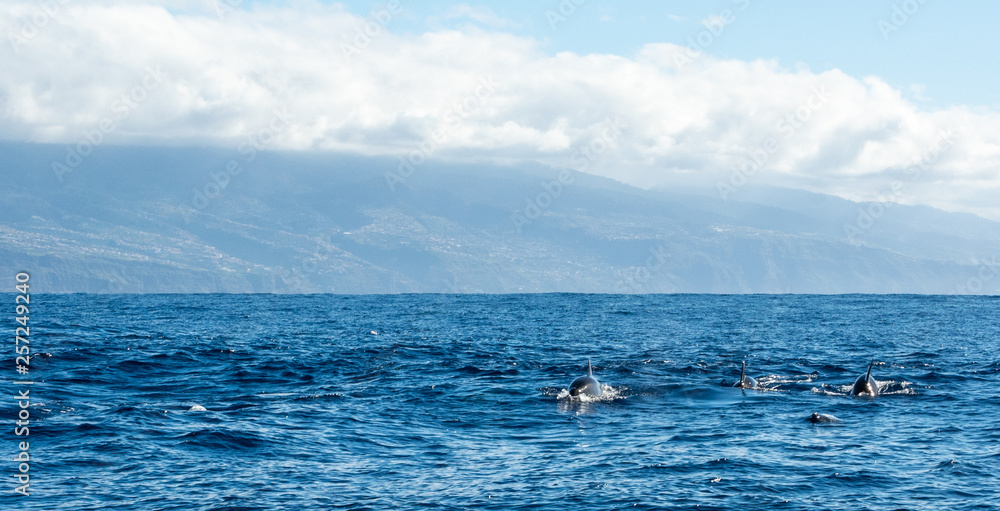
608	393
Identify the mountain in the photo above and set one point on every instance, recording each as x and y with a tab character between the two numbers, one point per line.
189	219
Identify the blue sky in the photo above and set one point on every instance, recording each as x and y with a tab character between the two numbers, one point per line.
945	49
876	101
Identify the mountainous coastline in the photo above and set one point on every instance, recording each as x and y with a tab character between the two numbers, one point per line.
184	219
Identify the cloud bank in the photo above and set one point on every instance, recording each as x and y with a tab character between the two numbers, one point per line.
209	74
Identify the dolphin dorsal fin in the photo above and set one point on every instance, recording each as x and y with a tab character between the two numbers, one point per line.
870	364
743	372
590	372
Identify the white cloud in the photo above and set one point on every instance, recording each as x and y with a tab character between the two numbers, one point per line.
479	13
714	21
919	92
225	76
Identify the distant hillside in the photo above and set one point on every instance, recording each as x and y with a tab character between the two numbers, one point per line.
135	219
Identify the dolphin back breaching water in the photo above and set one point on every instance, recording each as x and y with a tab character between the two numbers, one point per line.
585	384
746	382
817	418
865	385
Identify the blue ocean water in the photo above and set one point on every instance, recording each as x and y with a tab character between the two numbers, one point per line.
459	402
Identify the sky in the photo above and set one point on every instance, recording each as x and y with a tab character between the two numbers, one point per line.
867	100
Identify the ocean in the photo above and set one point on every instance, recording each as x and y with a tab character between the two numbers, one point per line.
452	402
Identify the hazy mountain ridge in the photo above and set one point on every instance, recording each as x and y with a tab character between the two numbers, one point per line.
129	220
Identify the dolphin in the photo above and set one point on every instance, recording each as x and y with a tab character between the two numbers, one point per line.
817	418
866	385
746	382
585	384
